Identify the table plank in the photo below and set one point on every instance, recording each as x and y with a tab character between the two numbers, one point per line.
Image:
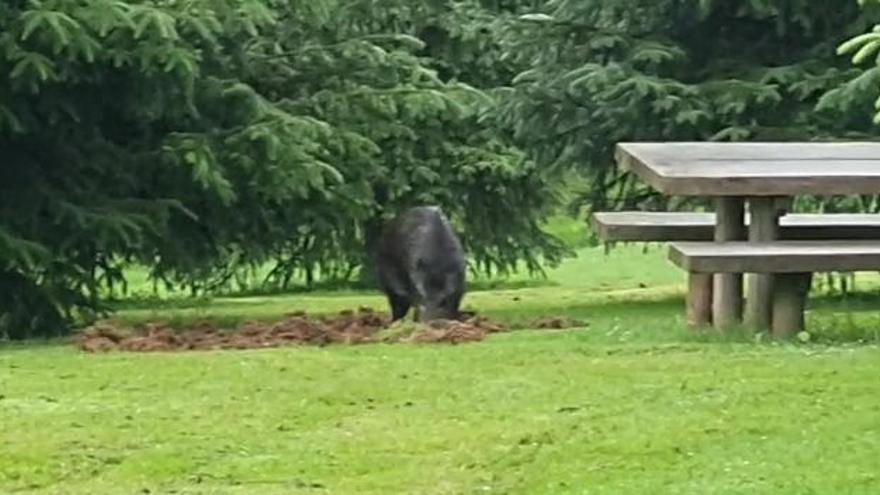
776	256
755	169
690	226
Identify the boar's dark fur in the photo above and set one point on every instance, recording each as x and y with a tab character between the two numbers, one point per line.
421	263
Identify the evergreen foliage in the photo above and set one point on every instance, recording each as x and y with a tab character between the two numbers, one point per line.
601	72
205	137
200	137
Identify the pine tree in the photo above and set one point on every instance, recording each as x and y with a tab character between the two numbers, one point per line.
201	137
600	72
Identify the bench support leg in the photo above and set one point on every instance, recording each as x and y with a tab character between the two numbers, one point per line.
789	298
699	300
763	227
727	292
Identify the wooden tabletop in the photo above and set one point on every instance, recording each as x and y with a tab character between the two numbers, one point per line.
755	169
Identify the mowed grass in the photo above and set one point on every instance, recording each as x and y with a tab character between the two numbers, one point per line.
632	403
530	413
591	279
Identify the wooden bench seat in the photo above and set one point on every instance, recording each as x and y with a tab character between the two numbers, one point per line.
794	261
637	226
776	257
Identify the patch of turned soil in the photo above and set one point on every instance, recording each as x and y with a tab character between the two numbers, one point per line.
347	327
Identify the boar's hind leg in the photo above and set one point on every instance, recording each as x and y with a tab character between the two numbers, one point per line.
399	305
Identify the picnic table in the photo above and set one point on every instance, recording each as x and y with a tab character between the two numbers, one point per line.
764	177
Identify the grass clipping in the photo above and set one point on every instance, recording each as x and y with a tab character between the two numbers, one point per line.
348	327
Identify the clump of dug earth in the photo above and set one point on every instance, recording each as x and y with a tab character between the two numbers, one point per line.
347	327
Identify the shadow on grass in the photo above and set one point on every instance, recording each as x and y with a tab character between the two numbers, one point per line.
831	319
32	344
858	301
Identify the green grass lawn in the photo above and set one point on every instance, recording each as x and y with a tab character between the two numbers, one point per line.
633	403
581	283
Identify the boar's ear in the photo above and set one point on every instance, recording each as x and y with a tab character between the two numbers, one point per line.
421	264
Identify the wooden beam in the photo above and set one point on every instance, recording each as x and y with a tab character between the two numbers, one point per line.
661	226
759	291
727	289
699	300
789	298
776	257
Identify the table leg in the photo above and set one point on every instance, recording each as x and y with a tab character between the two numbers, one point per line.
763	227
789	298
699	299
727	291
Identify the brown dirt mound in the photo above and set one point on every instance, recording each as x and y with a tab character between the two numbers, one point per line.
348	327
